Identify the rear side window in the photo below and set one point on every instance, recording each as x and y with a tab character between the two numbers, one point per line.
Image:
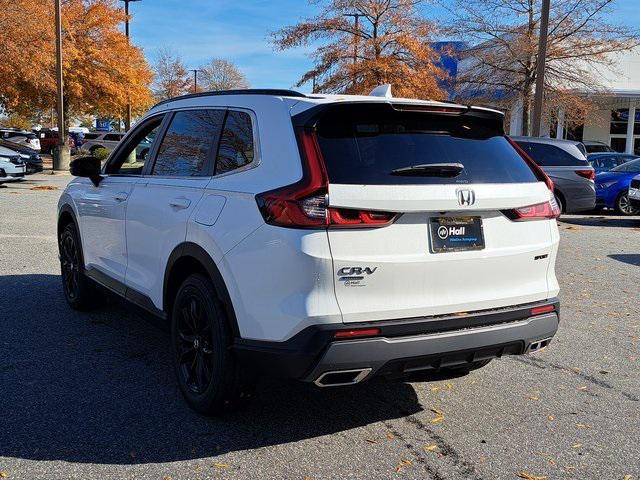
187	146
89	136
236	143
366	144
547	155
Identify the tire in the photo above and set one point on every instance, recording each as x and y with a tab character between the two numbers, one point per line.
79	291
623	207
208	376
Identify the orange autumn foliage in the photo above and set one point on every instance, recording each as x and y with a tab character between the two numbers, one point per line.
102	71
391	45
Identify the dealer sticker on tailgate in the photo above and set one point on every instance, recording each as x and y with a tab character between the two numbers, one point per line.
455	234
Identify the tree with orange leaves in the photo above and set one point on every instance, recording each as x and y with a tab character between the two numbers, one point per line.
102	71
389	43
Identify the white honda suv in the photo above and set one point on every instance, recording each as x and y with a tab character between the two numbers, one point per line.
323	238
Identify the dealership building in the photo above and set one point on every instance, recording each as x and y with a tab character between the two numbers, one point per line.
614	104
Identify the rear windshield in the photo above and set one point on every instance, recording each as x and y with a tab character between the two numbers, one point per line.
365	144
547	155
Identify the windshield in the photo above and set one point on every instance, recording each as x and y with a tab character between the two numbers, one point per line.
375	145
630	167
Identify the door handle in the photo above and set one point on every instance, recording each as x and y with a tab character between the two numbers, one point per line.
180	203
121	196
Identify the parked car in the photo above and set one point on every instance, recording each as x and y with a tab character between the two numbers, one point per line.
49	140
634	192
12	168
22	137
564	162
597	147
329	239
29	156
603	162
95	140
612	188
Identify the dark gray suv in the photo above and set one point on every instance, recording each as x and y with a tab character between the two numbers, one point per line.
565	162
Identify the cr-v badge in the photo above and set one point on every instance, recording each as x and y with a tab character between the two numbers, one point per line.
355	276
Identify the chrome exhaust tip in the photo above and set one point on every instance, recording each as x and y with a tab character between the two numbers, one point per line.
538	345
338	378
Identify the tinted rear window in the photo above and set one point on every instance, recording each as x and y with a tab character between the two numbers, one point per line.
365	144
547	155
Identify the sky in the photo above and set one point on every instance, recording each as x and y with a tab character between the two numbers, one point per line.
239	31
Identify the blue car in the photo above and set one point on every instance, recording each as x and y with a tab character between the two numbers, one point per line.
604	162
612	187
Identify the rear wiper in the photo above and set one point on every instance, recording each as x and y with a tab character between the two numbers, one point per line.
430	170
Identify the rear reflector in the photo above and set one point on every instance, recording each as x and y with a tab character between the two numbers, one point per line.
542	309
589	174
359	332
539	211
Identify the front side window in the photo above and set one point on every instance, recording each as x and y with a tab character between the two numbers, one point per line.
131	159
236	144
188	143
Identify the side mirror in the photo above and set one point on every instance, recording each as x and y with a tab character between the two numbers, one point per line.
88	167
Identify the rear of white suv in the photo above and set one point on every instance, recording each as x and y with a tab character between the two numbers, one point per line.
326	239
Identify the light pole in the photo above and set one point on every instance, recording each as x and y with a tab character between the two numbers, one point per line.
538	100
195	79
356	25
127	122
61	155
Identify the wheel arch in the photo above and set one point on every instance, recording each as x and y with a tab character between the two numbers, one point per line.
66	215
562	198
188	258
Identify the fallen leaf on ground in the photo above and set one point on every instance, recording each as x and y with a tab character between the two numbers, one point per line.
221	465
583	425
439	418
627	477
44	187
551	418
431	448
583	388
390	436
534	397
577	445
3	474
370	440
528	476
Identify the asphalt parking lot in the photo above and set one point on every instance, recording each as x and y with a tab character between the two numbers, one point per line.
93	395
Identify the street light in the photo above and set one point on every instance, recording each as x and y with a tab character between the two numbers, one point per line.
356	23
127	123
62	155
540	68
195	79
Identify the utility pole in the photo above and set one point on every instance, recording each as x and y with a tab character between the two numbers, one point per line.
356	28
127	121
195	79
538	101
61	155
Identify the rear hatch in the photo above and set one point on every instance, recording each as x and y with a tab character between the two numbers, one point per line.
428	212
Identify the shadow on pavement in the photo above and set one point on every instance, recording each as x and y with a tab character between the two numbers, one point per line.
630	258
98	387
602	221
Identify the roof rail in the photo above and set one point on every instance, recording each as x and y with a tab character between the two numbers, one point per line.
248	91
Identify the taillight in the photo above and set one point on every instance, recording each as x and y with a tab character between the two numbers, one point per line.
589	174
538	172
539	211
305	205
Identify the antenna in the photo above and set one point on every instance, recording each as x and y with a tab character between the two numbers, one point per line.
382	91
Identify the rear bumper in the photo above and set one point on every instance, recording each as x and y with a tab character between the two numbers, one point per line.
580	204
397	356
403	346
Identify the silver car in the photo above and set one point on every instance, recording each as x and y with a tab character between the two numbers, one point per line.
565	162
